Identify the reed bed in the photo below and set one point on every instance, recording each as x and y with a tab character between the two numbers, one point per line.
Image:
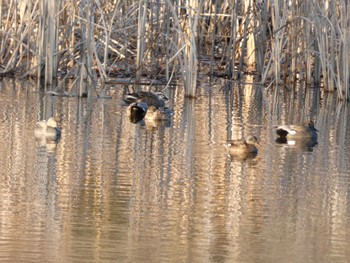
177	41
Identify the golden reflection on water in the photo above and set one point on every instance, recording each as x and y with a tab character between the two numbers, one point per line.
113	191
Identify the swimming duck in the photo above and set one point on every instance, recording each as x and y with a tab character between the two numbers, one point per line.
47	129
244	147
154	113
156	99
297	132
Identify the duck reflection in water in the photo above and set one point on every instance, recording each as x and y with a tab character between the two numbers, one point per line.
244	148
48	146
299	137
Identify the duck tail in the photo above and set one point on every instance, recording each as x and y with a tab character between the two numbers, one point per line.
130	98
281	132
137	111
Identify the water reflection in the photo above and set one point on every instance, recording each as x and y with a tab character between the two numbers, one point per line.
302	145
114	191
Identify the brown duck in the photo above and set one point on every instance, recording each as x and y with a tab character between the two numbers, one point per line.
243	148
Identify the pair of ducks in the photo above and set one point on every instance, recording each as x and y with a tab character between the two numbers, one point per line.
147	105
291	134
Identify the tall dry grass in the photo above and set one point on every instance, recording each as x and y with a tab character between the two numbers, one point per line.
183	41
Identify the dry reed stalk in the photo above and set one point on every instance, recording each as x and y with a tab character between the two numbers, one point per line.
92	77
309	42
51	42
152	42
317	65
231	47
141	40
102	66
325	35
293	40
187	39
246	34
190	57
343	52
213	39
72	40
250	36
82	52
279	17
47	47
41	40
261	17
167	44
332	49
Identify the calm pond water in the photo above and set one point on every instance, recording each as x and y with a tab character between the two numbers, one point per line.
113	191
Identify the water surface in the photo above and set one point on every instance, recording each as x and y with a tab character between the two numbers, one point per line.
113	191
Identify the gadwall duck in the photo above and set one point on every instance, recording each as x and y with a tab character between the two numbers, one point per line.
156	114
243	148
156	99
47	129
297	132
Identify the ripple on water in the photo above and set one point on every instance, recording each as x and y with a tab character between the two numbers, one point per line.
112	190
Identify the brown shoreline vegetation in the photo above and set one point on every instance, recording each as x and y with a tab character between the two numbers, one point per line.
279	42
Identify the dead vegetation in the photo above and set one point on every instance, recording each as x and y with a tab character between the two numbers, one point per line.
280	42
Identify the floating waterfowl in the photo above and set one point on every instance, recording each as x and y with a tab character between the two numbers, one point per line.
156	114
243	148
299	137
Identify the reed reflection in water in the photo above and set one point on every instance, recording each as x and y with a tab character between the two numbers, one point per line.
113	191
